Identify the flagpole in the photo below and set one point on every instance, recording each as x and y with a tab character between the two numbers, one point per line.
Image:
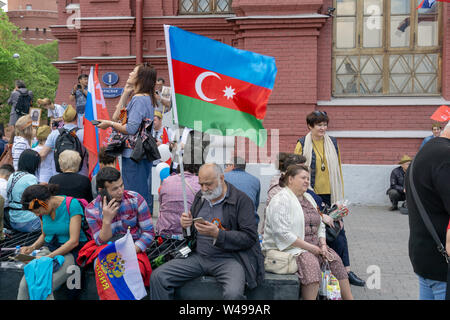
175	113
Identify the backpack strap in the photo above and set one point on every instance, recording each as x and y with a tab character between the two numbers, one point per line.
68	201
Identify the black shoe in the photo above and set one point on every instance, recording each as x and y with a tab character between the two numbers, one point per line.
355	280
393	208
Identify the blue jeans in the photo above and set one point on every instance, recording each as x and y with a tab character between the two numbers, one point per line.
30	226
431	289
136	176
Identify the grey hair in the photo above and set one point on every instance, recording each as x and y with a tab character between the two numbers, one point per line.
218	169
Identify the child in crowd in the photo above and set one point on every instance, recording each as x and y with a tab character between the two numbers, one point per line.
54	112
47	168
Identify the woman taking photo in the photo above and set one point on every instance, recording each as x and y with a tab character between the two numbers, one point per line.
293	225
21	219
61	230
323	157
127	120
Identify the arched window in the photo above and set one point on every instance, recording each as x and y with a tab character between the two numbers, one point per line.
386	47
205	6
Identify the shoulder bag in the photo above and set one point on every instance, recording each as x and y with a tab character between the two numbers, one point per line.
280	262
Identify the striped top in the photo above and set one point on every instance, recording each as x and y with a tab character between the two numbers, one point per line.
20	145
133	212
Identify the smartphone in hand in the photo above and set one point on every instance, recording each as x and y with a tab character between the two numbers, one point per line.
199	219
95	122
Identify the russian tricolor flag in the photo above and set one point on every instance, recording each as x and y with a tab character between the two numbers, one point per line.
117	272
94	138
427	4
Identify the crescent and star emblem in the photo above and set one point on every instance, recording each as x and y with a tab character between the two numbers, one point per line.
229	91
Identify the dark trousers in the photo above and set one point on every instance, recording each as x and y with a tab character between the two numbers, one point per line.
173	274
395	196
340	244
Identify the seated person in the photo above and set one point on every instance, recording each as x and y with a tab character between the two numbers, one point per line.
244	181
436	130
104	160
294	225
396	191
115	210
171	203
61	231
5	171
70	182
340	245
47	168
21	219
227	241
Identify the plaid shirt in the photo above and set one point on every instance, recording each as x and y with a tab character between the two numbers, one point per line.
133	212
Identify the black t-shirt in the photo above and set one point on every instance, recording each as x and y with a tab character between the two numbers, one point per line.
73	185
432	182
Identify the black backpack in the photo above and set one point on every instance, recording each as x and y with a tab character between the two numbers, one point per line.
23	104
68	140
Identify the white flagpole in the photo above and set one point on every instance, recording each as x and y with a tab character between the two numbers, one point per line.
175	114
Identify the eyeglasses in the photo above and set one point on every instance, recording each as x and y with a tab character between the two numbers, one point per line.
320	113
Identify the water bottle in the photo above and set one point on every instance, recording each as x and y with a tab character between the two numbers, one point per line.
17	251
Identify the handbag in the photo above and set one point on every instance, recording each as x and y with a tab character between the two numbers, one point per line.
332	233
280	262
429	225
116	144
6	157
144	144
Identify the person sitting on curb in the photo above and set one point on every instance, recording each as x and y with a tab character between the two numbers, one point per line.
111	214
396	190
227	241
61	232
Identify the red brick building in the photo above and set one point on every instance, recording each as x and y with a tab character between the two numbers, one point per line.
379	68
34	18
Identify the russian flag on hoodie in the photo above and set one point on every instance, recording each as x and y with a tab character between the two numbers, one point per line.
117	272
94	138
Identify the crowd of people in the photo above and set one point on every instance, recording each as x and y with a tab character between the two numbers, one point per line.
47	187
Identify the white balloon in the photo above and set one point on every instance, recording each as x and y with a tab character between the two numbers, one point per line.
164	152
161	166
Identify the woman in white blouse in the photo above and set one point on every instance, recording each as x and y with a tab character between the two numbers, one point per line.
294	225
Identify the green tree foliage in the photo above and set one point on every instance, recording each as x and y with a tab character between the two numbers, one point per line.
33	66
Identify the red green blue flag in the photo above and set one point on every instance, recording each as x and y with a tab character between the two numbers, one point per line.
225	88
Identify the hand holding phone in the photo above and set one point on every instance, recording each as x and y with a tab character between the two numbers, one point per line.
199	219
95	122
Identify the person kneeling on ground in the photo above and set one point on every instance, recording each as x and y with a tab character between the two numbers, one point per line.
61	233
396	191
227	241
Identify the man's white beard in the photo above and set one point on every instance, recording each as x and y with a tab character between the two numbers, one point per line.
214	194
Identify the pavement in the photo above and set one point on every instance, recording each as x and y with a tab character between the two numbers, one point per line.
378	248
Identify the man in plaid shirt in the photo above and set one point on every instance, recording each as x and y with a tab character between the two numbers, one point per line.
115	210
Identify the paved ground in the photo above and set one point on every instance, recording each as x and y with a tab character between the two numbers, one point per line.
378	246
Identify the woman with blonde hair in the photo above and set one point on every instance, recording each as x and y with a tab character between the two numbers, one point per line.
70	182
22	139
47	168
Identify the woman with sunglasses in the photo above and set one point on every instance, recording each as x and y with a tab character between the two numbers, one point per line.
323	157
61	230
127	119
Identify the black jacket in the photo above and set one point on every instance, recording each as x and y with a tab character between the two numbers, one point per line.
241	235
432	181
397	180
